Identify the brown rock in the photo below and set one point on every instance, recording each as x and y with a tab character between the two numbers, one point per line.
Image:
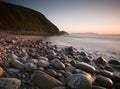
104	81
1	71
44	81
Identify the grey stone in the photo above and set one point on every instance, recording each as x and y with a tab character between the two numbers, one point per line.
85	67
10	83
79	81
43	63
57	64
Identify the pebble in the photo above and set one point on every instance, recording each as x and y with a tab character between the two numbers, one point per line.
106	73
30	64
57	64
43	63
101	61
10	83
85	67
44	81
104	81
1	71
98	87
17	64
79	81
61	87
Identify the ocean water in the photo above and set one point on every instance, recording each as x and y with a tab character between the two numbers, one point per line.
103	44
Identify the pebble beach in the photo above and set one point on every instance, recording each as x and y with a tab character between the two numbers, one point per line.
39	64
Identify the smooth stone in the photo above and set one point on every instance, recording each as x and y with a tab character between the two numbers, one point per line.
13	56
44	81
79	81
61	87
30	66
98	87
43	58
66	59
43	63
117	86
35	61
104	81
51	57
57	64
1	71
114	62
85	67
13	70
70	49
83	54
86	59
51	52
116	78
10	83
101	61
52	72
70	68
106	73
17	64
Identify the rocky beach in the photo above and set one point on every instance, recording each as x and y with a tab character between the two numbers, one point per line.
37	64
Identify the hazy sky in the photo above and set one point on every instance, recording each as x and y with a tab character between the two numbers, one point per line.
99	16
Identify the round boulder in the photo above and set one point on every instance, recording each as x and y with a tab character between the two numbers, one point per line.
104	81
79	81
44	81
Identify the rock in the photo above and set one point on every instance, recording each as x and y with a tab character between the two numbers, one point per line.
43	58
117	86
86	59
70	49
35	61
106	73
101	61
1	71
61	87
57	64
13	56
98	87
85	67
79	81
104	81
70	69
83	54
30	66
43	63
13	71
52	72
66	59
115	78
52	52
44	81
10	83
114	62
17	64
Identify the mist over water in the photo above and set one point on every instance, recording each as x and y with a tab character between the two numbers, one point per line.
104	44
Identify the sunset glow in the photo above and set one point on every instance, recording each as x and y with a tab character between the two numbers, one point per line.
78	16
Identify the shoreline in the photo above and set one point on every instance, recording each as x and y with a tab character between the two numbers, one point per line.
25	62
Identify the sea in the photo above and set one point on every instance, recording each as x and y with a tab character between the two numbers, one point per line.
99	44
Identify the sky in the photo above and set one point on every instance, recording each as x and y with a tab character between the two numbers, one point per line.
79	16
